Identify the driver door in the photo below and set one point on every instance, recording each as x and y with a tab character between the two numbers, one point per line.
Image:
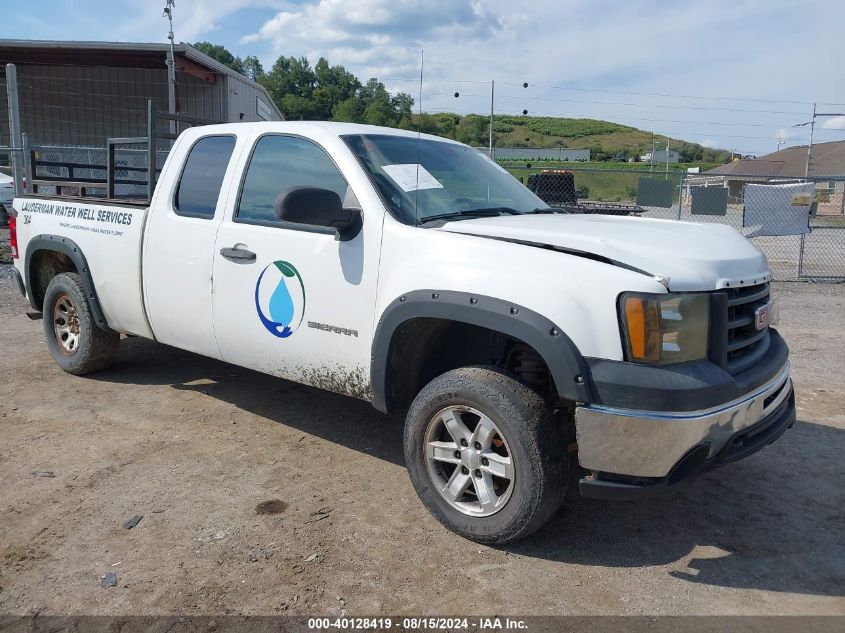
290	299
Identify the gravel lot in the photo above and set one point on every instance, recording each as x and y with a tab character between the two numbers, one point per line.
197	446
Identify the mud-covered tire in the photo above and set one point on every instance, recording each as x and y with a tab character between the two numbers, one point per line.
533	437
76	343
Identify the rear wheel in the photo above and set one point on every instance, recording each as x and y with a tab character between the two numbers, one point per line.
485	456
77	344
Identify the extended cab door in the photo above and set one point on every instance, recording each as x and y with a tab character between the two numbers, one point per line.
291	299
181	231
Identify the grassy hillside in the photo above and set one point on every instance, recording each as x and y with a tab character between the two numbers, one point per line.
603	138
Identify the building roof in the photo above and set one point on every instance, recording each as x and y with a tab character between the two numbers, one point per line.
118	54
827	159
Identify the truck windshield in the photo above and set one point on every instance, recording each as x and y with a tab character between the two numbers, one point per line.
438	180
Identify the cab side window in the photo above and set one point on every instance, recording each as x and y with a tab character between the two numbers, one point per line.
279	163
202	177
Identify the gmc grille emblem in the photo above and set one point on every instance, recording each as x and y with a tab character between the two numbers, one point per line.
763	316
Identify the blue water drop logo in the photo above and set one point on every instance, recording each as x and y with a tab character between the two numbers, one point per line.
282	310
281	304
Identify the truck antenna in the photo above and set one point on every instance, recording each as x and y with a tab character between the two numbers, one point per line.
419	133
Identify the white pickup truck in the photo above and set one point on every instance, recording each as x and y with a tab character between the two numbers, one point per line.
415	273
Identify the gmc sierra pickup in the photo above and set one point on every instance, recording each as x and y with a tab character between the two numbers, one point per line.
415	273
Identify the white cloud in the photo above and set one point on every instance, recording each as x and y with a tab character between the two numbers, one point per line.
709	142
835	123
378	35
191	20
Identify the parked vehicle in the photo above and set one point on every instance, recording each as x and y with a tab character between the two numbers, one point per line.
415	273
556	187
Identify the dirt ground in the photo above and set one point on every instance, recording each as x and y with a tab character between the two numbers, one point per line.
196	446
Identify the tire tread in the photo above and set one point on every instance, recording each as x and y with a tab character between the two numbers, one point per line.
543	439
93	356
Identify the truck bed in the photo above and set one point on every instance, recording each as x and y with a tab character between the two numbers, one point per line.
108	232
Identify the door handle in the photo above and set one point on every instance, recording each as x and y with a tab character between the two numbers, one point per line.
238	255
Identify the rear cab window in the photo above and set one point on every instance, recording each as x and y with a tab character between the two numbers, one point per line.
202	177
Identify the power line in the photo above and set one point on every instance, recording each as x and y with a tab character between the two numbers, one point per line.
439	81
652	105
629	92
670	96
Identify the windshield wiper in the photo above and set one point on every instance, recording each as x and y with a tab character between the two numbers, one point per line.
544	210
470	213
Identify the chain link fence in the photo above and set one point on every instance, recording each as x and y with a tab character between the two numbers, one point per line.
799	223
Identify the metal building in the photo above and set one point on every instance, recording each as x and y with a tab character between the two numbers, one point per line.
81	93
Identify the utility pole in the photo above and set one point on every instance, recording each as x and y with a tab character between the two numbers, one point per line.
667	154
171	64
812	124
492	93
810	144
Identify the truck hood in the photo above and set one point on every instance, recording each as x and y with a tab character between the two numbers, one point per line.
684	255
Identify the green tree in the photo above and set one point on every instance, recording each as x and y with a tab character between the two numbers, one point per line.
291	83
221	54
403	105
334	85
378	108
322	92
253	68
349	110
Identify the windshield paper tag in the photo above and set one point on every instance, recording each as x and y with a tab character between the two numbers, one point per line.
405	175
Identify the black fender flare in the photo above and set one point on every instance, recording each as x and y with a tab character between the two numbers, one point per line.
568	367
65	246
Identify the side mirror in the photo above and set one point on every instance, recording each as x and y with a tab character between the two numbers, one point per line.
318	207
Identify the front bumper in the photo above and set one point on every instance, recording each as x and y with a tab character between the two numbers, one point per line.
633	453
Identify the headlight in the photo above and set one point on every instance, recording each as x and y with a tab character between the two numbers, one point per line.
666	328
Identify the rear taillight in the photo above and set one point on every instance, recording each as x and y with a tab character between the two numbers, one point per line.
13	236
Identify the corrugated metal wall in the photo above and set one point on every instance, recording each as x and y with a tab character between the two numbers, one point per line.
243	98
198	98
79	105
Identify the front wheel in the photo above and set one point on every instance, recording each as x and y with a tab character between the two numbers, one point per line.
77	344
485	456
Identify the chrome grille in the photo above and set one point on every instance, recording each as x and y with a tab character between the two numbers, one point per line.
745	344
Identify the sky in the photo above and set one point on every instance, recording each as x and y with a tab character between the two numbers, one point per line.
736	74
